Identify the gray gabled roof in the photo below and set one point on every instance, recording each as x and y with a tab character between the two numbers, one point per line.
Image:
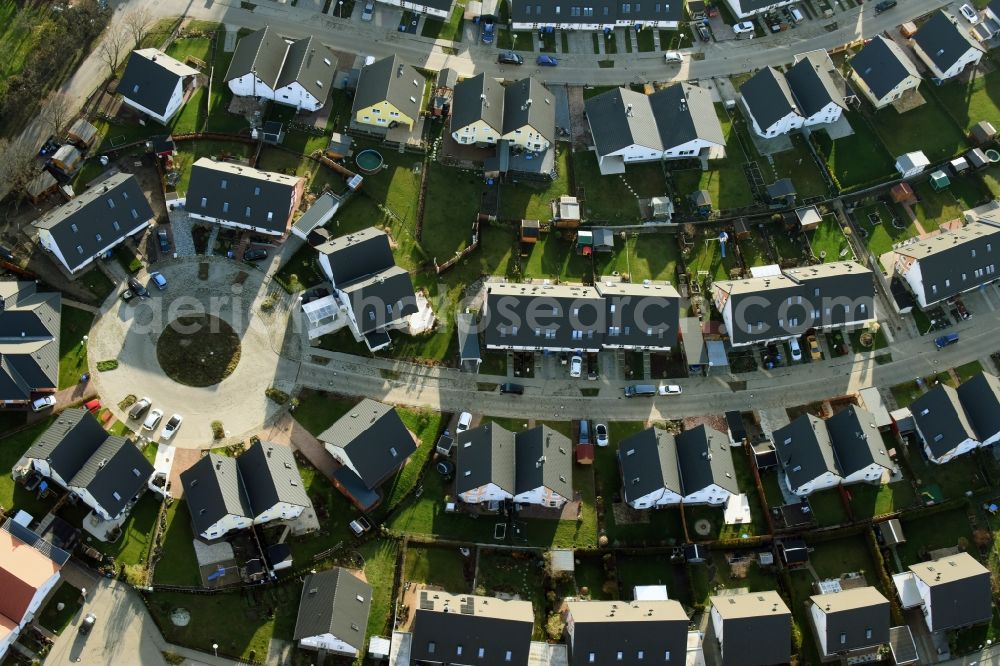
311	65
357	254
941	420
269	476
334	602
381	298
856	440
69	442
620	118
29	340
704	458
213	491
114	474
943	41
684	112
959	588
543	458
444	622
468	336
812	85
229	191
528	102
645	315
882	65
648	461
150	78
745	619
768	97
486	454
603	630
478	98
851	614
948	261
805	450
99	217
374	438
574	314
392	80
980	397
262	53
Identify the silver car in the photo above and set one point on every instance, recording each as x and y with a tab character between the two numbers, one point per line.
369	11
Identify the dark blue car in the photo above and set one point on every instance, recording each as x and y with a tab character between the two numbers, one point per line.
547	61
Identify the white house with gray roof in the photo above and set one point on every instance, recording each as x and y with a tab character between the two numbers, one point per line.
946	47
943	425
708	475
769	105
600	15
650	472
740	620
853	623
154	83
297	73
980	398
805	452
543	467
818	88
437	8
955	592
477	111
333	612
100	218
883	72
529	116
29	336
858	447
743	9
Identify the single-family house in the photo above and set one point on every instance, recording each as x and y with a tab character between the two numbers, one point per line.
955	592
603	15
708	475
851	623
29	572
272	483
640	316
371	443
29	336
785	304
806	455
467	630
945	47
155	84
543	467
529	115
687	123
858	447
477	109
97	220
297	73
741	623
650	473
818	97
883	72
942	424
106	472
950	263
769	105
437	8
626	632
389	93
485	464
743	9
333	612
980	397
241	197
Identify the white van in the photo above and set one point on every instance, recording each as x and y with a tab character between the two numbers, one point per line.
673	56
797	15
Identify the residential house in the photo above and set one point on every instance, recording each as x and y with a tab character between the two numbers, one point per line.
106	472
945	47
993	14
333	612
371	443
621	632
297	73
29	337
640	316
687	123
155	84
744	9
883	72
29	572
950	263
241	197
805	452
741	620
782	305
850	623
477	109
650	473
97	220
769	105
467	630
529	119
955	592
603	15
980	397
942	424
371	295
437	8
389	94
858	447
708	475
813	81
272	483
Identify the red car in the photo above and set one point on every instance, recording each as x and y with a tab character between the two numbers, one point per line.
93	406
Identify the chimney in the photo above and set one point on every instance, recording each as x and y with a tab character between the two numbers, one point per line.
628	110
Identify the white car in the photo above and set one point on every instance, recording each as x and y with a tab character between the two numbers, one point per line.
171	427
43	403
576	366
464	421
602	435
369	11
670	389
741	28
153	419
796	349
969	13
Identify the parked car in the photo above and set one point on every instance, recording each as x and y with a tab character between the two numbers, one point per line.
584	437
744	27
546	61
796	349
775	353
673	56
153	419
171	427
87	625
703	33
576	366
796	14
127	295
139	408
488	32
515	389
360	525
885	5
969	13
509	58
670	389
46	402
464	421
602	434
157	278
92	406
255	255
814	352
369	11
137	289
645	390
161	236
945	340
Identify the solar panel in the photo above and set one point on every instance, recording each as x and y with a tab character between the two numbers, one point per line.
425	603
467	607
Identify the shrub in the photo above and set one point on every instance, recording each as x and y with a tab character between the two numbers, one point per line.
107	366
127	402
276	395
218	431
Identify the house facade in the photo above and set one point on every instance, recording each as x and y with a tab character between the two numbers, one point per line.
945	47
955	592
883	72
850	624
806	455
389	93
708	475
600	16
943	425
650	472
743	9
29	332
632	633
153	83
437	8
333	612
467	630
477	111
740	620
769	105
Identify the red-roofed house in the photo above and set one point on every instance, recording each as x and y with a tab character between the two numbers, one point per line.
29	570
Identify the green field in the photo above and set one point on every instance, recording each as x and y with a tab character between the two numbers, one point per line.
532	201
72	349
828	241
608	199
927	128
178	565
725	181
883	235
859	159
968	103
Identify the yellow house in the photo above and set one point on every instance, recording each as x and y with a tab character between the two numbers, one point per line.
389	94
477	111
529	115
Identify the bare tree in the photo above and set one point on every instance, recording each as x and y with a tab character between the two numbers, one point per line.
57	112
113	47
138	22
17	162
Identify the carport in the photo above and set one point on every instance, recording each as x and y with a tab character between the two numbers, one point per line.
468	342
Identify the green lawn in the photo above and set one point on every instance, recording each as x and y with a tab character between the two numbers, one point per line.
97	283
706	255
940	530
969	370
799	165
380	571
991	178
131	551
532	201
450	211
178	565
858	159
882	236
850	554
189	152
607	199
702	586
13	495
645	40
426	425
926	128
301	271
968	103
334	511
828	507
514	573
591	579
828	241
436	28
868	500
725	181
639	569
72	350
219	118
245	632
443	567
51	617
935	207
